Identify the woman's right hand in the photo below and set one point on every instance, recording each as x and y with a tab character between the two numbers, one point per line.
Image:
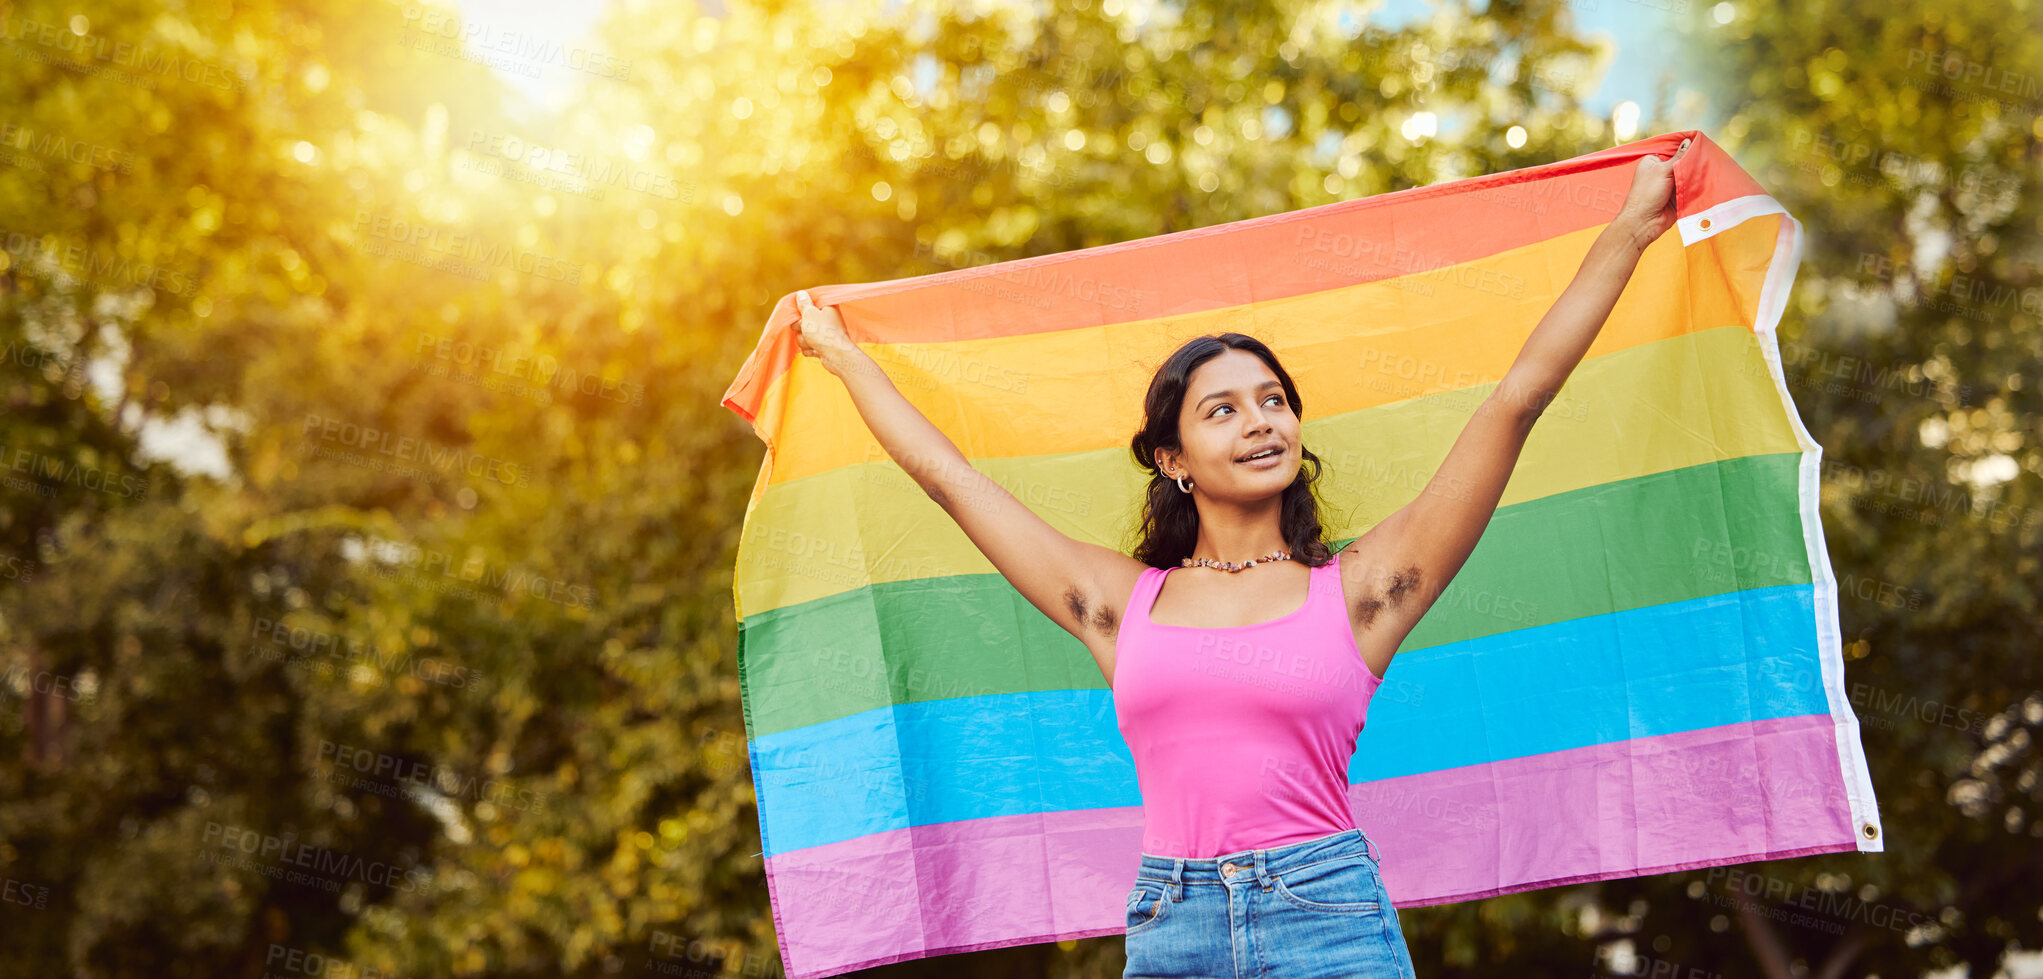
820	332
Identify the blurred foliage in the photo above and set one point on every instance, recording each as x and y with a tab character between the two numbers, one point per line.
367	512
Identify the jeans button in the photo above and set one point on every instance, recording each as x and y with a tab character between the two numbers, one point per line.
1228	869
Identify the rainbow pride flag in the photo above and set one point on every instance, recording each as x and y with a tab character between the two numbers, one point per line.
1637	671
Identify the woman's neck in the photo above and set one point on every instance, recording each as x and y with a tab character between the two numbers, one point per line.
1236	545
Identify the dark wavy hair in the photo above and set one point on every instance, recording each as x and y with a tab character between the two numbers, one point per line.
1169	527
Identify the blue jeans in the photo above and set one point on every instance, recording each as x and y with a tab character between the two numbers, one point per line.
1312	909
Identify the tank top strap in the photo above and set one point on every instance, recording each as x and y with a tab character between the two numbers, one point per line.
1147	584
1325	588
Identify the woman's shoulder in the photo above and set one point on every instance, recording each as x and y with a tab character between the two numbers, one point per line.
1116	574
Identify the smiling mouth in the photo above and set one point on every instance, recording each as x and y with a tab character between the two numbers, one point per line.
1265	454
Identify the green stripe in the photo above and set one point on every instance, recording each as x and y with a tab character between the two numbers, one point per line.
1666	537
1671	403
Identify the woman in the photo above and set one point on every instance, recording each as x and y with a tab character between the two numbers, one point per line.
1242	725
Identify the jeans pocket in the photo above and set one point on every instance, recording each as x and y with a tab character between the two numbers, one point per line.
1147	902
1340	885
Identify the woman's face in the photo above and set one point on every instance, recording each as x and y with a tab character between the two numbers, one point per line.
1235	406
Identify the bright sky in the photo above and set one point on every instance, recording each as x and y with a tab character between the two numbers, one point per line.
561	21
1644	32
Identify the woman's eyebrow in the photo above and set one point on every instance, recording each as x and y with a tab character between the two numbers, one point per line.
1229	394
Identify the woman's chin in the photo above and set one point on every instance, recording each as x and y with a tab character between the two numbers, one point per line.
1256	486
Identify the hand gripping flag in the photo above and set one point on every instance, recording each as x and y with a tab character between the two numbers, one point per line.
1638	670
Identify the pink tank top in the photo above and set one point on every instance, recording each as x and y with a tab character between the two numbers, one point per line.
1241	736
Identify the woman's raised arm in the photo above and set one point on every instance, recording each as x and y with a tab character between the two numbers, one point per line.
1079	585
1423	545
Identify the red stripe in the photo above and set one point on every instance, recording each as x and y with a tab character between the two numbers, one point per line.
1248	261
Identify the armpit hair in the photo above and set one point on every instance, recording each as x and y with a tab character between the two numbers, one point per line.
1399	588
1102	619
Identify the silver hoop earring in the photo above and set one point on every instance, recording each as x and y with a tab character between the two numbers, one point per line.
1181	484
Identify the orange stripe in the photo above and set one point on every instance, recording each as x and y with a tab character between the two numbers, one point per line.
1347	349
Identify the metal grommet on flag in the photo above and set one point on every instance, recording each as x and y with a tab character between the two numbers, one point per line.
1871	831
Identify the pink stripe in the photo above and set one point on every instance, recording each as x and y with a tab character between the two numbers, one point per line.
1741	792
1733	794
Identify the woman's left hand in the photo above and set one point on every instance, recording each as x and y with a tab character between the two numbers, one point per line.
1649	208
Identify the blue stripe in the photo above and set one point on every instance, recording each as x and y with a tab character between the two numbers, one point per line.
1741	656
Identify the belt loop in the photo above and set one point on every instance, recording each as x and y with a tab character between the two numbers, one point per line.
1262	871
1177	879
1369	848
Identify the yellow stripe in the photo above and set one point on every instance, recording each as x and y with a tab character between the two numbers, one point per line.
1688	400
1077	390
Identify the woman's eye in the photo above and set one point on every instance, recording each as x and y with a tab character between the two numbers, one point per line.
1275	397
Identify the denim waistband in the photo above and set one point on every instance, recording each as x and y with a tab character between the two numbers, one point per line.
1268	860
